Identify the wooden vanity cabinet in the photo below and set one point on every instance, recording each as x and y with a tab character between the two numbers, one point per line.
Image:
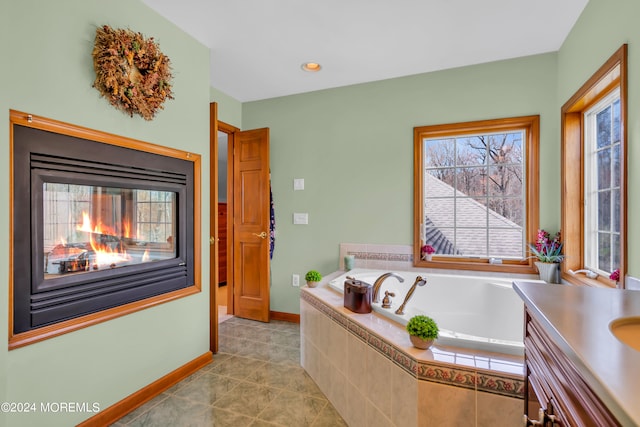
554	385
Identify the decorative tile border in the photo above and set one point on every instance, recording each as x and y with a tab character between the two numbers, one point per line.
381	256
377	256
439	372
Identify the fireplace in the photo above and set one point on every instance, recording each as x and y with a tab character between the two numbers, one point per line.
95	226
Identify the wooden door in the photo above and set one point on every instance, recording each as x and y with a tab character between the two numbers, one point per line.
251	205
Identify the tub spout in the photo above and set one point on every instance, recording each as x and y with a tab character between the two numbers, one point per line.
419	282
378	283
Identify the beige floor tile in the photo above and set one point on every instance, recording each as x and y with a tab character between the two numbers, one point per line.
293	409
175	412
207	389
255	380
329	417
247	399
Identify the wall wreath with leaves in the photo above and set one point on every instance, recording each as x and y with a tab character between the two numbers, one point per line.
131	71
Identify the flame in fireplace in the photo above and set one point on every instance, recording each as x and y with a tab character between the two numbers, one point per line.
127	228
108	252
106	255
99	228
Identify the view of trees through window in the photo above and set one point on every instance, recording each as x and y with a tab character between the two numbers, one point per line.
474	194
155	215
602	187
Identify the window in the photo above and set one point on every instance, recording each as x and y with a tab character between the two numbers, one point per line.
594	175
602	185
154	215
475	202
63	205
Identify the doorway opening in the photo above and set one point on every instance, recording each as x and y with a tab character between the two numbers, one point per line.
224	286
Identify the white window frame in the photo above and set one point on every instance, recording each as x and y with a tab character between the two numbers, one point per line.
458	195
591	247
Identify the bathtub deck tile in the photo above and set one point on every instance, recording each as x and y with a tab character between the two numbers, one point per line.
440	405
404	398
489	405
357	363
378	383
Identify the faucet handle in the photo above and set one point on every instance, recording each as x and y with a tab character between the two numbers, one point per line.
386	301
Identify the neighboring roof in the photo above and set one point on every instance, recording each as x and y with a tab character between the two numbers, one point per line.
506	240
439	241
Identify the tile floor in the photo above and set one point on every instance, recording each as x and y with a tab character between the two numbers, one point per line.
255	380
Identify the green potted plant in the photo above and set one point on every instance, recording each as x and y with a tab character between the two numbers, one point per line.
548	252
423	330
312	277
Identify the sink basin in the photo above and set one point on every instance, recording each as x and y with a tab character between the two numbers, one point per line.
627	330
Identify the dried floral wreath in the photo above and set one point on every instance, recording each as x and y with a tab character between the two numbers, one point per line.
131	71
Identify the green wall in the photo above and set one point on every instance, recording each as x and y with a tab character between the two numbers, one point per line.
229	109
47	70
354	148
602	28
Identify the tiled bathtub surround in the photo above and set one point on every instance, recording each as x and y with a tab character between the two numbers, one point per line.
368	369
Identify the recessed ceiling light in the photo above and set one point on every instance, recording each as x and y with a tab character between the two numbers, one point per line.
312	67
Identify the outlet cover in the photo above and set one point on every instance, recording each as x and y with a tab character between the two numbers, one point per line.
295	280
298	184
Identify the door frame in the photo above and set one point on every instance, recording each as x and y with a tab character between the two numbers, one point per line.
214	127
230	131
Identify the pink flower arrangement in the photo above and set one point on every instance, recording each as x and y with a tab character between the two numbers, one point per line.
615	275
547	249
428	249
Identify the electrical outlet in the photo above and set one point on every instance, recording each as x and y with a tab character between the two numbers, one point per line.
295	280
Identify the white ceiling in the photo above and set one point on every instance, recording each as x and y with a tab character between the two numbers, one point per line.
258	46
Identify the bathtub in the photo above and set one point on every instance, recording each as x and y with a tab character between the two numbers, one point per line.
475	312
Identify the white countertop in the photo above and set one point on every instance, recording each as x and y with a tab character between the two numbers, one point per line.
577	319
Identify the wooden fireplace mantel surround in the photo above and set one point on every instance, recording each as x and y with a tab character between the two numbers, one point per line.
50	331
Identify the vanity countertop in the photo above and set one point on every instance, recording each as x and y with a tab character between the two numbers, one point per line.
577	319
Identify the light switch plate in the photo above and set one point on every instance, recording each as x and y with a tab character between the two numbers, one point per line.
300	218
298	184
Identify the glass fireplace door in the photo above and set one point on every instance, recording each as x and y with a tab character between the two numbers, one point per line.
90	228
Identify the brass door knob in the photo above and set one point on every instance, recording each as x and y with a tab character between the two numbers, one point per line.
262	235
